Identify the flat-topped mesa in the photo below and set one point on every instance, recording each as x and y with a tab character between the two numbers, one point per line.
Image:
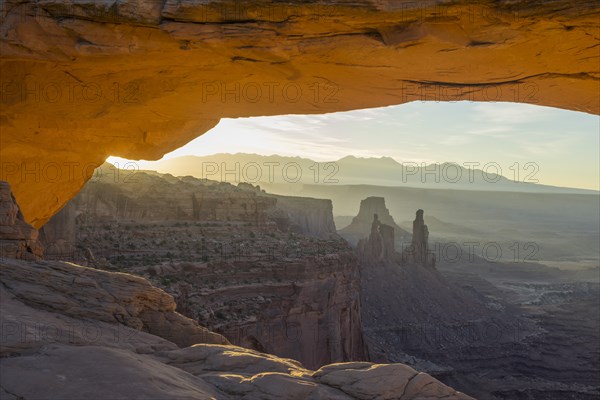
371	206
362	223
379	246
18	239
307	216
418	252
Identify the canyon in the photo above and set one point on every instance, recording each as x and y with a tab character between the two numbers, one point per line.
491	329
84	332
161	287
269	272
267	285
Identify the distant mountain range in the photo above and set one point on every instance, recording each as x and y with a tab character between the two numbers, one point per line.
350	170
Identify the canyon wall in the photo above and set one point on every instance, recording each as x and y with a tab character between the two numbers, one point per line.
17	238
313	217
83	80
268	272
59	234
307	309
150	196
113	195
83	333
70	331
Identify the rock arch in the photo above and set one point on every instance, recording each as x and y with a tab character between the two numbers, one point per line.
82	80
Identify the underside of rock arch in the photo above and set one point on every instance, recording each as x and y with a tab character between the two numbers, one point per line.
82	80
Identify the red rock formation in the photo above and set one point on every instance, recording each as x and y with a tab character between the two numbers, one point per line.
379	246
300	301
418	251
90	340
151	196
82	80
18	239
362	224
58	236
308	216
306	309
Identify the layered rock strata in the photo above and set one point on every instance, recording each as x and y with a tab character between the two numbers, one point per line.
418	251
361	225
82	333
17	238
379	246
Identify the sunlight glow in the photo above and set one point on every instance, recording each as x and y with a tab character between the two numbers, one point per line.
563	143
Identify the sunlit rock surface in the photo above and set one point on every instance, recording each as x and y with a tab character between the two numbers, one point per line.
82	80
71	332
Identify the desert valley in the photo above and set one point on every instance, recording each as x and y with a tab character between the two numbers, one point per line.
272	273
326	200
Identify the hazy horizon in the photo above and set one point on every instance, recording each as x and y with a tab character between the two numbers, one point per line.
562	144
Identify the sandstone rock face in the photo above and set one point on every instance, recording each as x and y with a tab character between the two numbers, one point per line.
115	195
418	252
85	293
379	246
306	309
63	343
272	288
118	195
58	236
313	217
362	224
82	80
17	238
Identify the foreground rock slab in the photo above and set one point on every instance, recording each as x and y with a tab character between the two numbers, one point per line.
70	332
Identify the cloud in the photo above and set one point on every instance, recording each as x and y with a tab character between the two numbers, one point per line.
429	132
511	113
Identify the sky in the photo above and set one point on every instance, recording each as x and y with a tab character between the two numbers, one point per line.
554	146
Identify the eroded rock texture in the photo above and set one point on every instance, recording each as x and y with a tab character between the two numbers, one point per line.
362	225
380	245
298	299
418	251
308	216
17	238
58	235
308	309
83	333
85	293
82	80
145	195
